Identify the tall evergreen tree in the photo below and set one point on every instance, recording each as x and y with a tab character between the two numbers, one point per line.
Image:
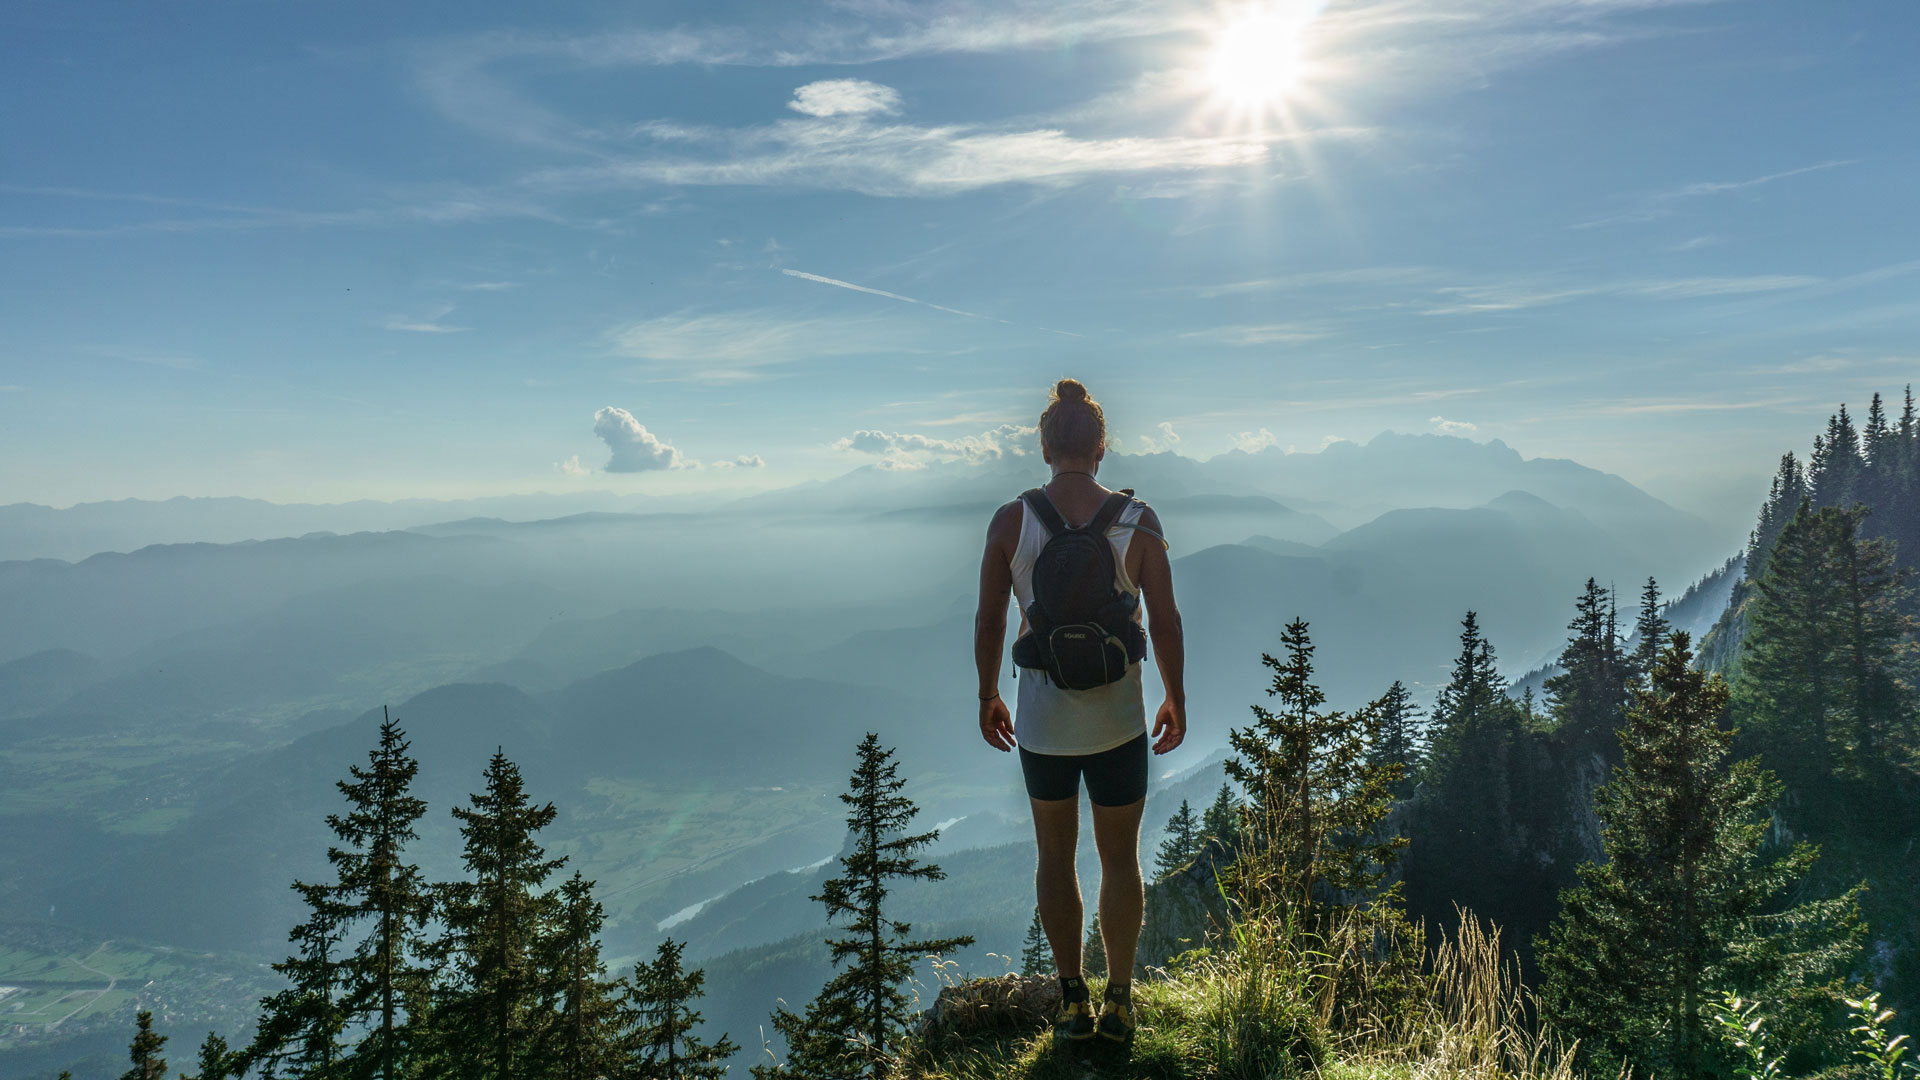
1036	955
1221	821
582	1040
1182	842
1684	904
1834	470
1789	490
145	1050
384	891
850	1027
1589	696
1818	677
1474	833
301	1025
1398	746
1315	801
1649	634
662	1001
216	1060
491	1023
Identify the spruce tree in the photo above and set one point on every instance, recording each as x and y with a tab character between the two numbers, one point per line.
145	1050
1834	469
492	1021
1221	821
1398	745
1818	679
1685	905
849	1029
379	887
1315	800
1589	696
582	1041
301	1025
1789	490
1470	837
665	1046
1182	842
1036	955
1649	634
216	1061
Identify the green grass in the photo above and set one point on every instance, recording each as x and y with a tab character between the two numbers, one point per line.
1262	1009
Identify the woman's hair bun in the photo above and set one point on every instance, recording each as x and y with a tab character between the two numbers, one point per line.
1070	390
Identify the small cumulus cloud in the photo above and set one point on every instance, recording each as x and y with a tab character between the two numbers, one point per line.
1451	427
572	469
1252	442
633	447
1164	443
744	461
910	450
1326	441
844	97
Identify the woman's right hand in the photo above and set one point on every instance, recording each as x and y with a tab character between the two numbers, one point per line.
996	724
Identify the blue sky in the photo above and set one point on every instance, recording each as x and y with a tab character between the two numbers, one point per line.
313	251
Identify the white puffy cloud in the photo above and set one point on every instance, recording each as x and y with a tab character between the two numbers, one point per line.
1252	442
744	461
844	97
909	450
1164	443
634	448
572	469
1451	427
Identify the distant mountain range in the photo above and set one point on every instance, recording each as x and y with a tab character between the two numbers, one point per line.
1346	483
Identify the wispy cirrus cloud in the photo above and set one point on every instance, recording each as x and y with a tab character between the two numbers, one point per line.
1662	204
1313	279
1634	407
837	283
738	346
1258	334
895	159
429	324
1520	295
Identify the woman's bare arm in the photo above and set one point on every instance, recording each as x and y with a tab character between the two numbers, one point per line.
1163	627
990	624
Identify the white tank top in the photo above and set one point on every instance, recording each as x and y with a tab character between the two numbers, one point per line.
1047	719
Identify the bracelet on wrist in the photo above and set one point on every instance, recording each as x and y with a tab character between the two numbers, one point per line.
989	697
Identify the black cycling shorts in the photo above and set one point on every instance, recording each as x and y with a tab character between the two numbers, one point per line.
1116	777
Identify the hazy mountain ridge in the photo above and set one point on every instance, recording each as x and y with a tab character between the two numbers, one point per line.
1355	480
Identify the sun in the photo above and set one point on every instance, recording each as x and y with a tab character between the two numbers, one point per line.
1256	59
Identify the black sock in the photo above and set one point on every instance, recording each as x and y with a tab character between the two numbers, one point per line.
1120	991
1073	988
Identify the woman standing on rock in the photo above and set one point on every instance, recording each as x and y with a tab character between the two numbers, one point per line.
1082	562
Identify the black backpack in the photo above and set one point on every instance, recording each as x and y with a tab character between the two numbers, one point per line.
1080	628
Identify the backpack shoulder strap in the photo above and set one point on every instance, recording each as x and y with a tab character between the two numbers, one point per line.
1110	511
1042	507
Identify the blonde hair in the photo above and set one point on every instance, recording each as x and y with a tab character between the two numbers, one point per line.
1073	424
